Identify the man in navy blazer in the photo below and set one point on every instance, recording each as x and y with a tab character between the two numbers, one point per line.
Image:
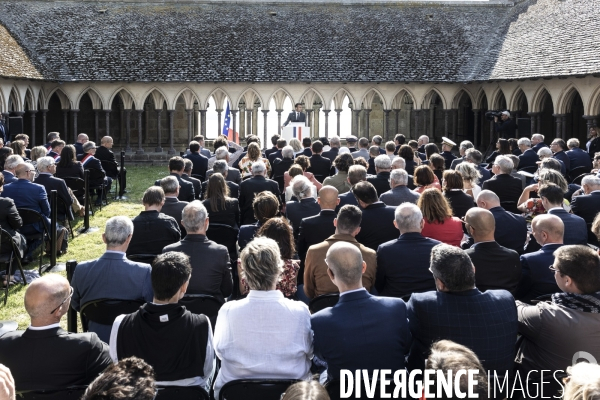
475	157
112	276
200	161
377	226
507	187
587	205
558	147
577	157
575	227
319	165
9	168
403	263
361	332
528	157
484	322
537	279
47	167
537	142
186	189
307	205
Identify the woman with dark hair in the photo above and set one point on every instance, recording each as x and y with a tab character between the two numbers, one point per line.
514	147
304	162
502	148
279	230
424	178
412	161
265	206
68	166
452	186
340	180
5	152
221	208
10	221
430	149
254	154
18	147
439	222
437	164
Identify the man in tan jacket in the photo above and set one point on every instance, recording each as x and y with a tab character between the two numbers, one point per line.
347	226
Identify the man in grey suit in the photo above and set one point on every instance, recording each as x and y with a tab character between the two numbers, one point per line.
173	206
112	276
233	174
363	149
399	193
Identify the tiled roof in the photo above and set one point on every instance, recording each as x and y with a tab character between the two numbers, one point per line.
74	41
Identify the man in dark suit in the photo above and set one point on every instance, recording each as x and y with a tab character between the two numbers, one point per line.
233	174
112	276
44	356
273	149
281	165
403	263
587	205
200	162
82	138
173	206
575	227
484	322
511	228
295	116
305	207
109	163
89	161
250	187
356	174
507	187
306	143
46	168
537	279
351	335
381	181
496	267
577	157
281	143
211	268
10	165
559	148
475	157
186	189
537	142
221	167
528	157
377	224
332	153
188	165
319	165
50	137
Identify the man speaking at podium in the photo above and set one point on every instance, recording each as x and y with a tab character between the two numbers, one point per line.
296	116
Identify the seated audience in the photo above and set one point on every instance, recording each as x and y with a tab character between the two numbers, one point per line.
470	176
44	356
537	280
356	173
263	320
68	166
457	304
11	222
533	206
496	267
82	138
502	148
254	156
265	206
475	158
199	160
335	144
25	139
222	209
112	276
296	145
363	149
452	186
129	379
367	344
583	382
316	278
89	161
153	229
303	162
233	174
555	332
578	158
281	165
51	136
447	356
425	179
399	163
439	222
462	148
515	173
56	147
186	189
18	147
281	143
377	224
340	180
309	390
295	171
280	231
187	176
399	192
39	152
412	161
172	206
587	205
306	206
403	263
221	167
46	168
110	164
507	187
559	148
251	186
319	166
11	163
381	181
176	343
575	227
211	267
390	149
528	158
437	165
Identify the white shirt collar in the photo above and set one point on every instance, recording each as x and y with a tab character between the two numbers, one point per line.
43	328
352	291
115	252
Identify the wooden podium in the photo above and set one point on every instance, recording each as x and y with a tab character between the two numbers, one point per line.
295	130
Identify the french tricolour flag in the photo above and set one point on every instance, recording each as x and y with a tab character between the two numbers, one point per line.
227	131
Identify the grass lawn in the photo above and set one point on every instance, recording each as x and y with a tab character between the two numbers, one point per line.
88	246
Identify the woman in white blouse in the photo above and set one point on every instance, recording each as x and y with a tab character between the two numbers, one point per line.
265	335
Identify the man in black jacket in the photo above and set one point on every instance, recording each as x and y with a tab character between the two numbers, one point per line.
505	127
89	161
250	187
200	162
377	224
46	167
109	163
186	176
381	181
507	187
319	165
186	189
332	153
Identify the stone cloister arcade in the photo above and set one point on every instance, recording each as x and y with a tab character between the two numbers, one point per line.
162	117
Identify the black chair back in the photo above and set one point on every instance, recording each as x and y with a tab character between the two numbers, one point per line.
181	393
576	172
531	169
73	393
63	209
202	304
96	176
30	217
577	180
77	185
323	301
280	181
224	235
143	258
255	389
10	252
105	311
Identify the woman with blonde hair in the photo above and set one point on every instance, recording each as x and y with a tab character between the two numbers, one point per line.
221	208
471	177
311	390
35	153
582	382
424	178
439	222
296	145
254	154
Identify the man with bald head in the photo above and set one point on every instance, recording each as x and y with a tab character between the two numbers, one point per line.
511	228
352	334
109	163
537	279
496	267
45	356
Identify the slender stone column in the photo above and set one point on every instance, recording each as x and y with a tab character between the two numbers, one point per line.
248	122
326	112
127	129
158	148
447	123
65	134
74	114
386	124
32	135
44	112
534	120
107	122
475	128
171	117
190	121
265	113
455	124
96	126
203	122
338	127
397	122
356	123
309	119
140	150
278	122
417	120
219	126
367	123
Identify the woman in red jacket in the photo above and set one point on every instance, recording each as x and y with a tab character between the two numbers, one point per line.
439	222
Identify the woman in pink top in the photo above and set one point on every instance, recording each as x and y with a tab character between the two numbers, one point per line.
425	179
439	222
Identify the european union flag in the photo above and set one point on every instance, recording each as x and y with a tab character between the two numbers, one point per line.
226	129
